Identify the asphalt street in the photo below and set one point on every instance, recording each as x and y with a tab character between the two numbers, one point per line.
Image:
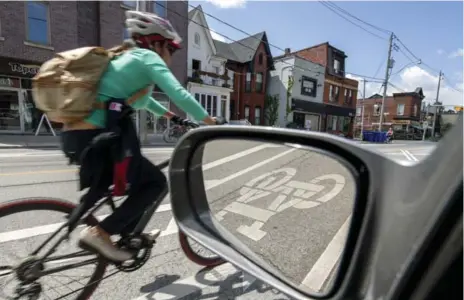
290	206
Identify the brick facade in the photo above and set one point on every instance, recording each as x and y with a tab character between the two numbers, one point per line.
252	99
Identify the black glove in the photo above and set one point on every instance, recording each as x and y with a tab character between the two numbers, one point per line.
184	122
220	121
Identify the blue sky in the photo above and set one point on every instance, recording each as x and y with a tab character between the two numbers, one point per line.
433	31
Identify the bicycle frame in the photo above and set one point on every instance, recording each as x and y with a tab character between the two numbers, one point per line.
77	215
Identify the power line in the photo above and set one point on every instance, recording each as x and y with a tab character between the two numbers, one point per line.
248	47
360	20
359	26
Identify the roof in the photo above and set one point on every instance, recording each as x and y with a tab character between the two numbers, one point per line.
417	92
311	47
191	15
244	50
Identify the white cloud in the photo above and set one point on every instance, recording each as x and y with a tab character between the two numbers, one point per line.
228	3
440	51
216	36
456	53
412	78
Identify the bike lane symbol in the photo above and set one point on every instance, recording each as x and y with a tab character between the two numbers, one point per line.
290	193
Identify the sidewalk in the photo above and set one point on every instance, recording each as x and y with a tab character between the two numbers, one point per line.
8	141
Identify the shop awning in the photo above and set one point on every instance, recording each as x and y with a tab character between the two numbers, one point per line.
322	108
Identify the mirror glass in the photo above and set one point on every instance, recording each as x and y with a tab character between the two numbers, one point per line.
289	205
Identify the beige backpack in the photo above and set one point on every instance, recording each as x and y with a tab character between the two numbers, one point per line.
66	86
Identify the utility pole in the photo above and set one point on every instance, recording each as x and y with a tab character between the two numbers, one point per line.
362	112
142	113
436	105
387	69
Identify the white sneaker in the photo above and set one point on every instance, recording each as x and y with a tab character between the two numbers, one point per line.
88	239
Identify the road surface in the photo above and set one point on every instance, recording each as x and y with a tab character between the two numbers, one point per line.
309	197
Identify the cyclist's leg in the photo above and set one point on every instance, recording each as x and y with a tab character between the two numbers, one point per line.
144	191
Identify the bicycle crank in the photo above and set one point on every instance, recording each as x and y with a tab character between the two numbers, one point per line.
141	246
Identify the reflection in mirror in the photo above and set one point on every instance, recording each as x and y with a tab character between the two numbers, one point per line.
289	205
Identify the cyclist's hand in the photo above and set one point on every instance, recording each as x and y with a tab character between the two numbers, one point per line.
220	120
184	122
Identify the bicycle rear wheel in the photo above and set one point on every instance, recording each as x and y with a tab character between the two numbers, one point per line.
197	253
24	237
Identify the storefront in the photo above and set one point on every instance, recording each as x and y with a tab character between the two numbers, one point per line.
330	118
17	110
215	99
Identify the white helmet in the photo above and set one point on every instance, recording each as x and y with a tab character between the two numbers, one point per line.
144	23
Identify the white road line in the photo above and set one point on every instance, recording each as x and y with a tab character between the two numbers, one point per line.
315	279
411	155
59	153
251	168
236	156
44	229
187	286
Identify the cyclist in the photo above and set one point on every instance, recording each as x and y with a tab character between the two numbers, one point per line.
142	64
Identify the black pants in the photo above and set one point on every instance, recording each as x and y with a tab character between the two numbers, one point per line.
146	185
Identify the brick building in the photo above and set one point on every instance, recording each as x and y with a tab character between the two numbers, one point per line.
340	93
251	60
31	32
402	111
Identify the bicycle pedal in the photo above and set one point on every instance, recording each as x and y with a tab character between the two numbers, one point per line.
154	234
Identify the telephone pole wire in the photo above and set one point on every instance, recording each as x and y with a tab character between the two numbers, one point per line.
436	105
385	85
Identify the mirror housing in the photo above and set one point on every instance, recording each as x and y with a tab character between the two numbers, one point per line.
191	209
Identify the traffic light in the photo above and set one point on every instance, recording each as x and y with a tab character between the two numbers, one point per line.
458	108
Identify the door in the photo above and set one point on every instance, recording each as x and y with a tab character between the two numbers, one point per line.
313	121
11	110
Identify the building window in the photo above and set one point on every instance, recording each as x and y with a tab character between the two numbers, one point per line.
257	115
223	107
159	8
337	65
333	93
260	59
130	4
125	34
358	111
259	82
308	86
196	39
38	23
348	96
377	108
248	82
400	109
209	102
215	81
415	110
247	112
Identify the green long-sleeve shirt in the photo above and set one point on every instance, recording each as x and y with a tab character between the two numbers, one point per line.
134	70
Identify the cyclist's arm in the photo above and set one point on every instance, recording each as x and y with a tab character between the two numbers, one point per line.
162	76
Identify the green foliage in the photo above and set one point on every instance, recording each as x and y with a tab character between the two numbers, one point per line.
271	109
289	94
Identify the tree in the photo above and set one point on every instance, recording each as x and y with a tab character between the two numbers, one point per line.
271	109
289	95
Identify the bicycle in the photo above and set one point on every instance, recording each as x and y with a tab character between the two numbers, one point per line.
173	134
34	267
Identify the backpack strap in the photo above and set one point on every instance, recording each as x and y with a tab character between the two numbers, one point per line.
137	95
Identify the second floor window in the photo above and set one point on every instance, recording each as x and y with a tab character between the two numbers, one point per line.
159	8
130	4
333	93
125	34
196	39
308	86
248	82
358	111
260	59
259	82
400	109
38	23
415	110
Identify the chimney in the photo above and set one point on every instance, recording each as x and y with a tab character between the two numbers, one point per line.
287	51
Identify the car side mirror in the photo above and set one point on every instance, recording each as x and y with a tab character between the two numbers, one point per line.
312	215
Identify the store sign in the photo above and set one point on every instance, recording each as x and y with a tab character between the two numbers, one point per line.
24	69
402	122
9	82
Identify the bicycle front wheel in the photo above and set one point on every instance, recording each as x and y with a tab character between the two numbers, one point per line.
20	235
197	253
